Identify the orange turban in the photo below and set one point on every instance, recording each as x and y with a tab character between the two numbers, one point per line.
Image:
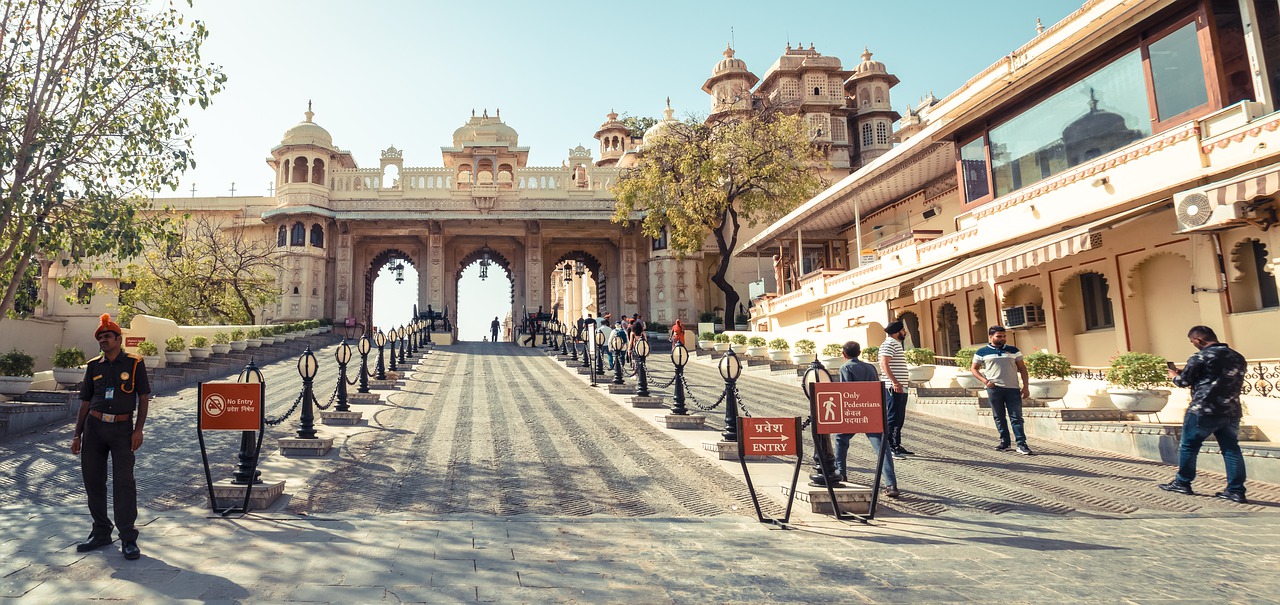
107	326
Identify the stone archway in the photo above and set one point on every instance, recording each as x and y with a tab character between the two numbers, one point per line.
496	261
591	266
948	322
371	275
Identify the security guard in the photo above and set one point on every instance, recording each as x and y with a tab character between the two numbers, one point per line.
113	409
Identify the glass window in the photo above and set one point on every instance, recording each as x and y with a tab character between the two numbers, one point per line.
660	243
298	235
1097	306
973	166
1102	112
1178	72
1268	294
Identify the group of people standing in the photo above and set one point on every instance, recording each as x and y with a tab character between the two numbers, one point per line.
631	329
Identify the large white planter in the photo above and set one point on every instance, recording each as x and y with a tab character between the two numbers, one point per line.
15	386
68	376
722	346
920	373
254	342
221	349
739	350
832	363
969	381
199	352
178	357
239	345
706	345
1049	388
757	351
780	355
1139	401
802	358
152	361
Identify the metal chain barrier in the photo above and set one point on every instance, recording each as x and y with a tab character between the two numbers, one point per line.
693	399
331	400
742	406
292	409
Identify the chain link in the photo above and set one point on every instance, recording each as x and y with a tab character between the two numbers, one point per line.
806	423
713	406
270	422
332	397
742	406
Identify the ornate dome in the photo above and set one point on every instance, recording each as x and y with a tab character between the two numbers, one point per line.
869	66
485	129
729	64
307	132
654	132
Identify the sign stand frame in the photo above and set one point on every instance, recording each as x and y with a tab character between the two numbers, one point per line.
827	472
243	509
795	476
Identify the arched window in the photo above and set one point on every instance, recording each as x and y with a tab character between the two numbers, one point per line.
1254	289
317	171
285	175
1095	302
299	170
281	236
298	235
317	235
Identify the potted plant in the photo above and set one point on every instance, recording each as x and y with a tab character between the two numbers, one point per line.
200	347
964	361
722	342
150	353
267	334
742	321
706	340
803	351
871	355
920	366
833	356
238	342
739	343
1048	372
254	337
779	349
17	370
221	343
175	350
1134	375
68	365
323	325
757	346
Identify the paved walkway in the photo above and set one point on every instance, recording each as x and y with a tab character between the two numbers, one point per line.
595	504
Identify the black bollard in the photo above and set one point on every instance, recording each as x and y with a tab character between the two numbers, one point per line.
730	370
364	347
642	351
342	355
307	367
824	465
380	339
619	348
246	471
679	357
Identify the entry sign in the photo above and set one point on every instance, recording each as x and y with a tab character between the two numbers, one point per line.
230	406
769	436
848	407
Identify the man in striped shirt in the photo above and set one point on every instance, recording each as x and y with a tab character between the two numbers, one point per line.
1003	365
893	371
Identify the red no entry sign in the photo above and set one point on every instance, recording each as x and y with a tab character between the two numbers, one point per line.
230	406
769	436
848	407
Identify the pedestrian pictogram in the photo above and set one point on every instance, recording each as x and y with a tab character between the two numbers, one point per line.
848	407
769	436
230	406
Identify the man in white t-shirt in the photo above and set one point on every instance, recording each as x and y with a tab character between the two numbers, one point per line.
893	371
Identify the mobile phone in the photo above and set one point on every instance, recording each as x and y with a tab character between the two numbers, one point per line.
1171	366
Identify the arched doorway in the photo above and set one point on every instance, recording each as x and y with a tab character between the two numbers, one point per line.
912	323
486	289
948	330
580	290
391	287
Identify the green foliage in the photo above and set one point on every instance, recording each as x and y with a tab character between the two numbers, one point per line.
1046	365
1138	371
254	333
324	322
637	125
68	358
658	327
739	339
964	358
175	344
741	319
90	115
707	336
832	350
710	317
237	334
199	342
871	354
805	346
281	329
779	344
919	356
17	363
756	341
147	347
221	338
703	179
721	337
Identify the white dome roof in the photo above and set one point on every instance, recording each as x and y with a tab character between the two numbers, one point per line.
729	64
654	132
307	132
869	66
485	129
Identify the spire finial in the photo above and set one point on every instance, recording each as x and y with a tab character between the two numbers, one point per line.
1039	27
309	112
498	112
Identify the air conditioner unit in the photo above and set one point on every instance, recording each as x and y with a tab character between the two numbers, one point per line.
1023	316
1196	212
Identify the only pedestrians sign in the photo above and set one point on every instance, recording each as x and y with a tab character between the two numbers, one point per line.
848	407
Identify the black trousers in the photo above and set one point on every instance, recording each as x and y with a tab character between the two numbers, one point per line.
100	440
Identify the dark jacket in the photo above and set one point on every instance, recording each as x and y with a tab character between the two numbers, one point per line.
856	370
1216	376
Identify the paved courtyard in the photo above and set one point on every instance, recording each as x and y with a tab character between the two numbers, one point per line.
495	474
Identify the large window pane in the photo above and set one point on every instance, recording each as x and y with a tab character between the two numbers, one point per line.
1101	113
1177	72
973	163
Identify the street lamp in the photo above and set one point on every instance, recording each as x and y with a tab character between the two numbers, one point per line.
823	460
342	355
642	351
600	340
246	471
404	342
619	347
392	337
363	347
380	339
412	332
307	366
564	336
730	370
679	357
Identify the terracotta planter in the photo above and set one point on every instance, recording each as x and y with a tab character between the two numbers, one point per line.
16	386
221	349
920	373
1139	401
68	376
1049	388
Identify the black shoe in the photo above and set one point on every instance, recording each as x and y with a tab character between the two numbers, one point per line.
899	453
892	491
1002	447
905	451
1177	487
93	543
130	550
1237	497
1024	450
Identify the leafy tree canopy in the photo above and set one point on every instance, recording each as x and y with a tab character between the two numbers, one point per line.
637	125
90	100
702	179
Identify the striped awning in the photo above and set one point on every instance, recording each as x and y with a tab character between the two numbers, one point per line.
1246	188
990	266
881	291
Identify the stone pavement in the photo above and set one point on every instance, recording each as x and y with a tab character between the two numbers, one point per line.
410	524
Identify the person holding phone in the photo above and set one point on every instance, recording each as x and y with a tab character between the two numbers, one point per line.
1215	374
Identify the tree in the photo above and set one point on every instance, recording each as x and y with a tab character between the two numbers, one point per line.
213	274
701	179
90	100
638	125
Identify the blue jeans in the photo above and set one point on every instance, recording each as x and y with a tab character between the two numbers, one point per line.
1007	402
877	443
1195	429
895	411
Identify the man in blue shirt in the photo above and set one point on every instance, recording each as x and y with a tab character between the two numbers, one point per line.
1003	365
856	370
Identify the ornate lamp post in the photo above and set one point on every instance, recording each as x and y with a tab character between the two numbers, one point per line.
823	460
404	342
730	370
380	339
619	347
307	367
392	337
679	357
600	342
246	471
413	338
564	335
342	355
363	347
642	351
586	346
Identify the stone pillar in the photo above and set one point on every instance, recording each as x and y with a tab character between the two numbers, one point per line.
433	269
533	266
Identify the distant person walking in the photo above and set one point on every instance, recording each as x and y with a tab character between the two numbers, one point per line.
893	370
494	326
677	333
856	370
1003	364
1215	374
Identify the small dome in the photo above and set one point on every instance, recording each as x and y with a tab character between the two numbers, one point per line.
485	129
869	66
729	64
307	132
654	132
